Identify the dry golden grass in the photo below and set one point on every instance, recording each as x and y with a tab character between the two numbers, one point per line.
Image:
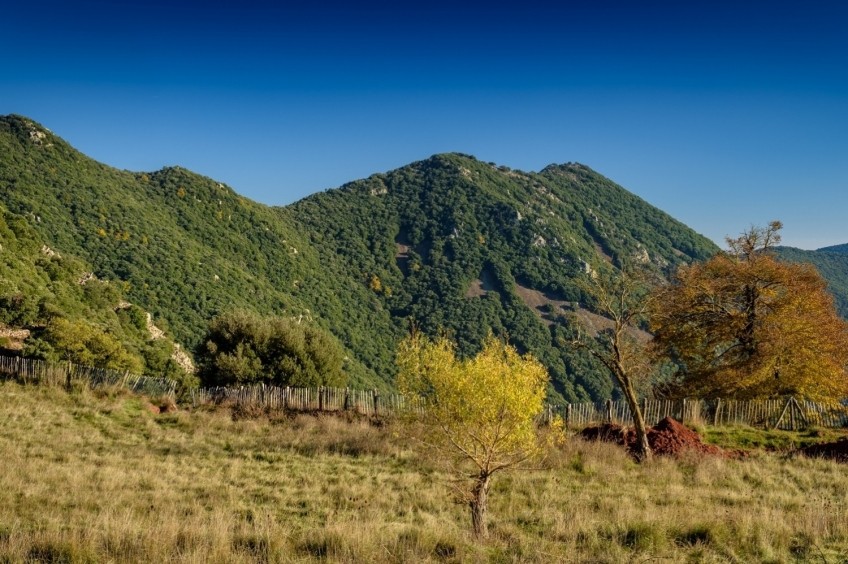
93	478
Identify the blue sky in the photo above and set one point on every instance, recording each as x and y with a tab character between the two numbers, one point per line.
722	115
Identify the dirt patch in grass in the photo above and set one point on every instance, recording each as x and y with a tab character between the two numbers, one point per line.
837	450
669	437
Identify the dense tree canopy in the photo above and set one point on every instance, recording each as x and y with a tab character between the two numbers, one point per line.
745	325
244	348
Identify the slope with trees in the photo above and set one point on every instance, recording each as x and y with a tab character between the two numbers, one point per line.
423	237
66	313
450	243
832	264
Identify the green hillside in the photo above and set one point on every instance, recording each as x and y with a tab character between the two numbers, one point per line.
842	249
52	306
832	264
460	245
186	247
449	243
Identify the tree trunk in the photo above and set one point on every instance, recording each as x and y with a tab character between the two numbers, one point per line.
643	448
479	506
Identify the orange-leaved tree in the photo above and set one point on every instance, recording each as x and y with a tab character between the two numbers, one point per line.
480	414
745	325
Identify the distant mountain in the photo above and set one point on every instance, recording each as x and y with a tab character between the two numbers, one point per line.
449	243
832	264
843	249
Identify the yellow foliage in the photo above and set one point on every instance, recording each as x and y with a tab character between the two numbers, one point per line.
375	284
482	409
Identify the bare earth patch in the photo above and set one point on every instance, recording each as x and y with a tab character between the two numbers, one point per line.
837	450
669	437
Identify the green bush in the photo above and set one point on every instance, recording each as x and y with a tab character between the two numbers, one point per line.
244	348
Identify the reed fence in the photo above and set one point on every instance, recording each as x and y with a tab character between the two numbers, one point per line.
34	371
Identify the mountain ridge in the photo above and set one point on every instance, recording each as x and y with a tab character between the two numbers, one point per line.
831	264
843	249
448	243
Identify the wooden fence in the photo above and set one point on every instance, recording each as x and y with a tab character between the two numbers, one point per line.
787	413
366	402
35	371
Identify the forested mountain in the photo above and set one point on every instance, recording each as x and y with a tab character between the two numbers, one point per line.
842	249
51	300
449	243
832	263
464	246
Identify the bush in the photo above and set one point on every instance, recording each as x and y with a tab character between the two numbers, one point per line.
243	348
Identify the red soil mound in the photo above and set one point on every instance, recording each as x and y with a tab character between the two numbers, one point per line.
671	438
837	450
667	438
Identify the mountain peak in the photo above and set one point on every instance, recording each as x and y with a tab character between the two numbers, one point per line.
27	130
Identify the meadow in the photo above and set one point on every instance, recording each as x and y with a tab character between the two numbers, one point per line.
97	476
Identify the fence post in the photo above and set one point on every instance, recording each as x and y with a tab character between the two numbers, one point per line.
376	397
715	415
609	410
286	394
568	415
800	411
783	414
320	398
683	413
347	399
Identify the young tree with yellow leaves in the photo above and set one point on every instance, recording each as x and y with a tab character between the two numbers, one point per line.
744	325
480	412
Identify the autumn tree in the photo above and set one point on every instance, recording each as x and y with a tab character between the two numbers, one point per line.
620	345
744	325
480	412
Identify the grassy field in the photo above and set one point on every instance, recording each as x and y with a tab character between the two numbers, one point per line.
90	477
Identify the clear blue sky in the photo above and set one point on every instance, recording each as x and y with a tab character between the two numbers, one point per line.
724	114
